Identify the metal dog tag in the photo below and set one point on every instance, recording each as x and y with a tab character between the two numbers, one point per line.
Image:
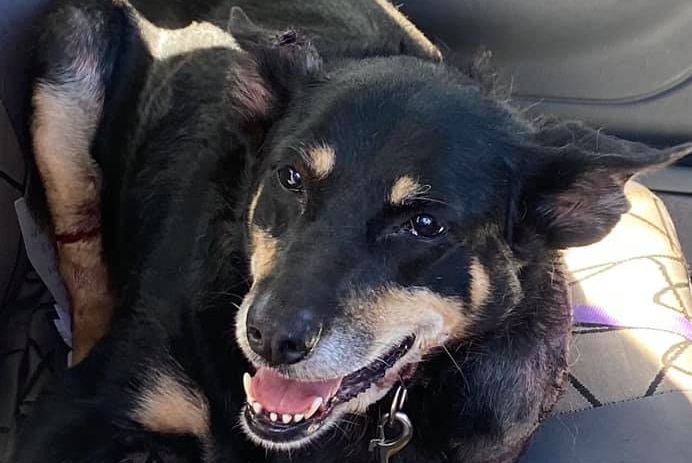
388	447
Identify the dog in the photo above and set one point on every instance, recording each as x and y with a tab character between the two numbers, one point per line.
271	215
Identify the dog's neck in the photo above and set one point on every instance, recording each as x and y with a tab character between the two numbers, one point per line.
528	347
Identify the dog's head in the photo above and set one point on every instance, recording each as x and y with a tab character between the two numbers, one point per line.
383	224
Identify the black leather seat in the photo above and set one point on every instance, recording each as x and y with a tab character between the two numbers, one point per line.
30	349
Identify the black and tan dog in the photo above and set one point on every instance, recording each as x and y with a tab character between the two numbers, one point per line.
334	205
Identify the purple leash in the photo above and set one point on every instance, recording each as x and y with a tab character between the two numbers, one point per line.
663	321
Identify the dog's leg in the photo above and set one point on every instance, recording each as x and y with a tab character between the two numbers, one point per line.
75	54
63	430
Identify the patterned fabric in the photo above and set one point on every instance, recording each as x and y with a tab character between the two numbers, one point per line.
639	267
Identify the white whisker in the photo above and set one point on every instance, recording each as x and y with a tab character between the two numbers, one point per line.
456	365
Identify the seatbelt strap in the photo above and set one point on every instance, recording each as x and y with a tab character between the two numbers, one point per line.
668	320
40	250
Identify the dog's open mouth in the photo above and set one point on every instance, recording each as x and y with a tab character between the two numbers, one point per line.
282	410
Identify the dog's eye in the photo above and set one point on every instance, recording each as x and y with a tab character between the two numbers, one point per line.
426	226
290	179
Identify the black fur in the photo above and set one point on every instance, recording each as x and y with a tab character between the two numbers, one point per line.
180	175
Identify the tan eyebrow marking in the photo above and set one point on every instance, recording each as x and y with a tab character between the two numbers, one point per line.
405	189
320	159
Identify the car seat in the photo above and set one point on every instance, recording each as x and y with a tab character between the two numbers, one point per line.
30	348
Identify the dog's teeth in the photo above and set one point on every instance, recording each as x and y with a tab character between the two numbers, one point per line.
313	427
286	418
257	408
314	407
247	385
273	416
298	418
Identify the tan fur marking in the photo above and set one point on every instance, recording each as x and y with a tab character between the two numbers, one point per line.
64	124
264	249
92	301
320	159
169	407
480	284
253	205
65	121
263	246
405	189
392	312
407	303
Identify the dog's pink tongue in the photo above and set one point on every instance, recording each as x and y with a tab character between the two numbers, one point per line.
282	395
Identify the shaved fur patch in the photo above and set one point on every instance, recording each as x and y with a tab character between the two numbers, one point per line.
406	189
480	284
320	159
169	407
65	120
264	249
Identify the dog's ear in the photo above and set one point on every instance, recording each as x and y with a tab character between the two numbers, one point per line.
573	187
275	67
238	21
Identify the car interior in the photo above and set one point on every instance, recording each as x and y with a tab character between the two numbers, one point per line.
623	66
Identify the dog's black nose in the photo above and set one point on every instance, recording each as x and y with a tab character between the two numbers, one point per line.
282	342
